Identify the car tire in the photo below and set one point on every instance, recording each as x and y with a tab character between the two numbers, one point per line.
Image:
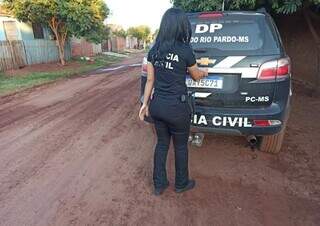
272	144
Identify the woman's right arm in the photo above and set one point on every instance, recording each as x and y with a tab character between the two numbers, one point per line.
149	84
197	73
144	110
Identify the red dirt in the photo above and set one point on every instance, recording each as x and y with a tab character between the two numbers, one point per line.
74	153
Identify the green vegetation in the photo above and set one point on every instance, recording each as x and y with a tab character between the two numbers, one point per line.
277	6
10	84
142	33
66	18
120	33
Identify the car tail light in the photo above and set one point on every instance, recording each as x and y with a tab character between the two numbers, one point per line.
210	15
144	65
262	123
265	123
275	69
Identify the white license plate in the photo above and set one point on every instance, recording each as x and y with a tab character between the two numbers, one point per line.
215	83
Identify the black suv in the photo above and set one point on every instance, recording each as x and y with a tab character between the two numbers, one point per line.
248	89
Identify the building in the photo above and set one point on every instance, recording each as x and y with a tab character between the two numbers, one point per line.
131	42
11	29
118	42
26	43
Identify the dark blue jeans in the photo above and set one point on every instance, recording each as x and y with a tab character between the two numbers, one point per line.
171	119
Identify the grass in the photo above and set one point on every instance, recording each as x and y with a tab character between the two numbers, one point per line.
9	84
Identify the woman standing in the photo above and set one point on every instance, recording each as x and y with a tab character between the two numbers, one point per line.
168	62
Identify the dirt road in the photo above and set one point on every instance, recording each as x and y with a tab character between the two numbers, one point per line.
74	153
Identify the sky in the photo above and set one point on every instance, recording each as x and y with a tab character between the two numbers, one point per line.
136	12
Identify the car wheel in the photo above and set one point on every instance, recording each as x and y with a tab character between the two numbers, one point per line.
272	144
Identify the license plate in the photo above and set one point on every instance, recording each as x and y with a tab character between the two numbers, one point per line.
211	82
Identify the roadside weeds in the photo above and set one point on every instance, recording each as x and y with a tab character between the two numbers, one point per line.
11	84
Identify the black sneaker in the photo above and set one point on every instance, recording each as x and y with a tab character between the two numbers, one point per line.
159	191
191	184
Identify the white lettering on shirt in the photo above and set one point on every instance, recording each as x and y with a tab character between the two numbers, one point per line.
171	57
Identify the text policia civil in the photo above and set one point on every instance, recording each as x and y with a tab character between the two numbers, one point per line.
171	57
219	121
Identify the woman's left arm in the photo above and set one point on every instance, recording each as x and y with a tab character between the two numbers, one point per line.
144	111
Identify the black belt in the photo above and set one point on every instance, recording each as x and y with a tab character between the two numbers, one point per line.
188	98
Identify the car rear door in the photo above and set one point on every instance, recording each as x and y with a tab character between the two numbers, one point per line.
233	46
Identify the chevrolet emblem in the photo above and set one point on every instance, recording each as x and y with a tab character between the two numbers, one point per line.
205	61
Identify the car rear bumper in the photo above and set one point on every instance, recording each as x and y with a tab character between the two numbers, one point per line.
245	129
239	121
257	131
276	111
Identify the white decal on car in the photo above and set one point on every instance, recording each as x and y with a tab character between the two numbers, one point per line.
203	28
254	99
222	121
229	61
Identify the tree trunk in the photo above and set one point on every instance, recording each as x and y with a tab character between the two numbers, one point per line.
139	43
61	53
60	34
316	38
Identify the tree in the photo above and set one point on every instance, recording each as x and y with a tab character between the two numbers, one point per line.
309	8
66	18
120	33
142	33
107	32
278	6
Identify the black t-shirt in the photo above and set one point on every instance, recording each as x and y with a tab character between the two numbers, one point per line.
170	74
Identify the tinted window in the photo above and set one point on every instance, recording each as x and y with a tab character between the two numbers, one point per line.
234	34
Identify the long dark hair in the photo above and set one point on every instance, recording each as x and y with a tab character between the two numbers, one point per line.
175	27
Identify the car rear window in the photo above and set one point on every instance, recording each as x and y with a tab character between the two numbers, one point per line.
234	35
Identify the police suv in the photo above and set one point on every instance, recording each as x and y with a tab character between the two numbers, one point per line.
248	88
